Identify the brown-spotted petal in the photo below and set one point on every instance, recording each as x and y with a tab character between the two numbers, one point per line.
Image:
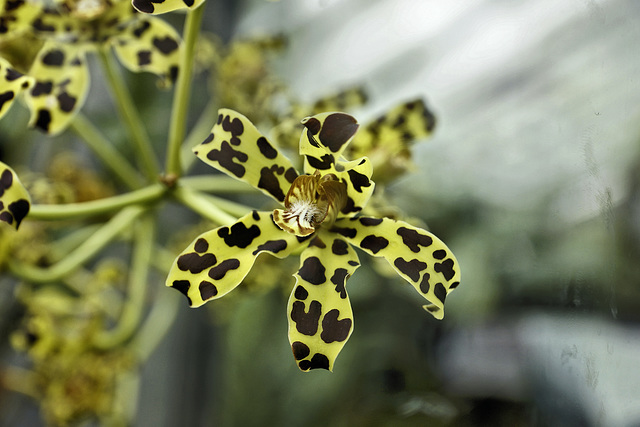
238	149
319	312
218	260
417	255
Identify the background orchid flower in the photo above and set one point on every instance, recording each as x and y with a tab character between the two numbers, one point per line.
320	219
69	32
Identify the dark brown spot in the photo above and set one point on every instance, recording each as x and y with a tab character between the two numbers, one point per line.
53	58
42	88
345	231
318	361
306	322
142	28
300	293
43	120
358	180
290	175
239	235
6	97
339	279
339	247
412	239
201	245
196	263
266	148
313	125
300	350
424	283
219	271
334	329
144	58
235	126
367	221
273	246
269	181
439	254
374	243
323	163
336	130
145	6
446	268
312	271
165	45
19	209
208	139
207	290
440	292
67	102
226	155
410	268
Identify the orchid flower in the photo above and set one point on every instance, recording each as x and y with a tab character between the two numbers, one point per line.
320	220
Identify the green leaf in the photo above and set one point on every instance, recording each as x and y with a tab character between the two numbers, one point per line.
417	255
319	312
12	83
14	199
157	7
238	149
60	88
218	260
149	44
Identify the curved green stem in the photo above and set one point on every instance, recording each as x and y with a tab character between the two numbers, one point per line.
96	207
129	114
199	203
181	96
233	208
144	236
87	250
105	150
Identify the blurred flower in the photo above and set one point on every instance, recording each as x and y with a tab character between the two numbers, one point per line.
70	30
156	7
320	220
74	381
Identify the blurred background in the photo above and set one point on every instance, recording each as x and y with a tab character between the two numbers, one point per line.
532	178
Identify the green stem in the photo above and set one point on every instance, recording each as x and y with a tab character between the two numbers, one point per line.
131	116
233	208
138	280
181	94
198	133
96	207
163	312
199	203
105	150
220	184
82	253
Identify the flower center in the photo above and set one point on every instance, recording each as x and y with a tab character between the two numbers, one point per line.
311	201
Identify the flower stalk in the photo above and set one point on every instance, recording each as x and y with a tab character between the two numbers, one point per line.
180	104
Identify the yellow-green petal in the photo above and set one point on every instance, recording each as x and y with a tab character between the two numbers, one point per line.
14	199
157	7
12	82
417	255
151	45
319	312
218	260
238	149
60	88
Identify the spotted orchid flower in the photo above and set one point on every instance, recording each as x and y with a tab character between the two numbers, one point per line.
320	220
14	199
71	30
